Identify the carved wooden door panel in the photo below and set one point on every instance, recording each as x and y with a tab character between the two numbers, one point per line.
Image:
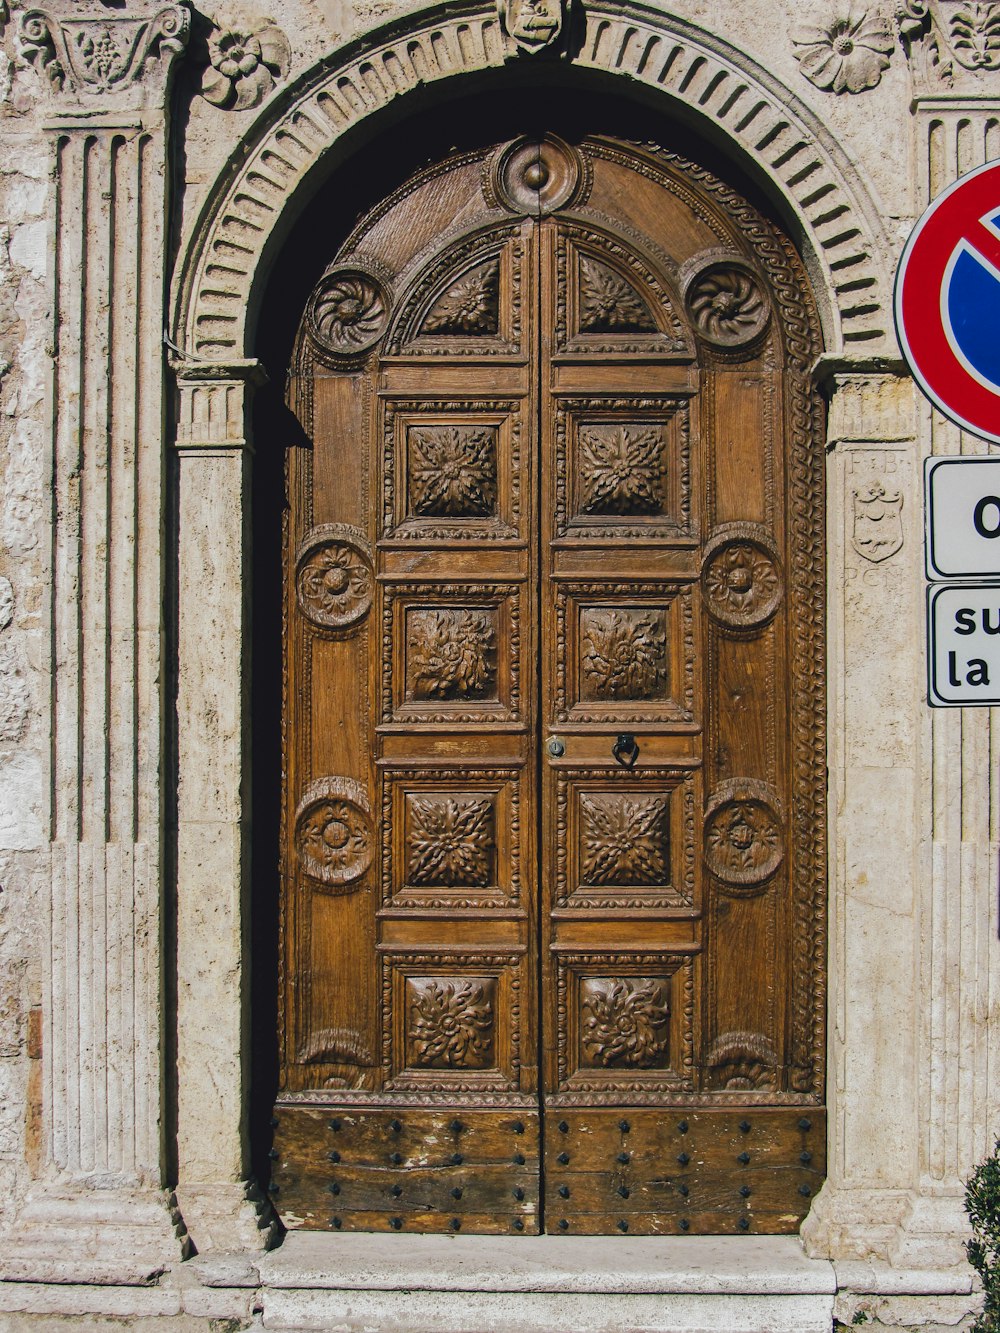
553	852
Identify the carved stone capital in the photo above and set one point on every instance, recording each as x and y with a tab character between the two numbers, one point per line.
952	45
85	53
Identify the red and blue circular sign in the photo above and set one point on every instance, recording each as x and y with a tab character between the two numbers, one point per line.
948	302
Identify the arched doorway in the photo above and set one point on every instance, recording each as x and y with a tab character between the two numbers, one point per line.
553	819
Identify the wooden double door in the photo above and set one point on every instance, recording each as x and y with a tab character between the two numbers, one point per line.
553	880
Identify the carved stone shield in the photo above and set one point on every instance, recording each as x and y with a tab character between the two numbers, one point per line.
878	526
532	23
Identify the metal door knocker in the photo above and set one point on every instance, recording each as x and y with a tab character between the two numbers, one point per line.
626	750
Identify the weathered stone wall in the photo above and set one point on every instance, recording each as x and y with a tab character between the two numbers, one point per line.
25	524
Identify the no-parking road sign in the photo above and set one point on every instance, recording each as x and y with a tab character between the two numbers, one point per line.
948	302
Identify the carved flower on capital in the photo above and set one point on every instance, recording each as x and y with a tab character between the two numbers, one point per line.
847	54
244	65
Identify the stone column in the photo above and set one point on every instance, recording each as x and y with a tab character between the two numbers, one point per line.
106	76
221	1207
876	793
957	129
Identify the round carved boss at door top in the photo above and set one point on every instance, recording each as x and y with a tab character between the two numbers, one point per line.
333	576
348	311
536	176
741	577
333	832
744	839
725	299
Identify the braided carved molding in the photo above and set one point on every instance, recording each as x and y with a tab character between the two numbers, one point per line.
763	120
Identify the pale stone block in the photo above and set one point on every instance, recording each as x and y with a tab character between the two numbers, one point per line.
29	247
22	800
706	1264
335	1311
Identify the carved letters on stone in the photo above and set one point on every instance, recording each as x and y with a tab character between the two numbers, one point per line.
451	1022
624	1022
99	53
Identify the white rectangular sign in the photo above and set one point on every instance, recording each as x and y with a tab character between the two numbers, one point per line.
963	637
962	514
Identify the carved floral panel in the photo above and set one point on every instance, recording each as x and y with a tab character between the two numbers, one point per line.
449	840
744	838
740	576
452	471
624	840
624	1022
333	834
450	1022
623	653
621	469
727	304
333	580
609	303
451	653
470	307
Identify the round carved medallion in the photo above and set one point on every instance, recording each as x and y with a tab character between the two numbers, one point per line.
333	576
725	301
348	311
536	176
333	832
744	839
740	576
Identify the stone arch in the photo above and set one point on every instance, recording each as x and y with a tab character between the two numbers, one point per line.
762	122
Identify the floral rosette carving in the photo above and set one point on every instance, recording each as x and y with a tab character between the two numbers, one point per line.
741	577
244	65
847	54
348	311
450	841
624	654
623	839
333	832
451	1023
624	1022
333	578
744	837
451	654
725	300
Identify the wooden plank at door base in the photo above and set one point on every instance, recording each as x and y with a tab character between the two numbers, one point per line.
669	1171
403	1168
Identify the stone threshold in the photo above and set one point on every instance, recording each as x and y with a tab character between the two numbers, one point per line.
467	1284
